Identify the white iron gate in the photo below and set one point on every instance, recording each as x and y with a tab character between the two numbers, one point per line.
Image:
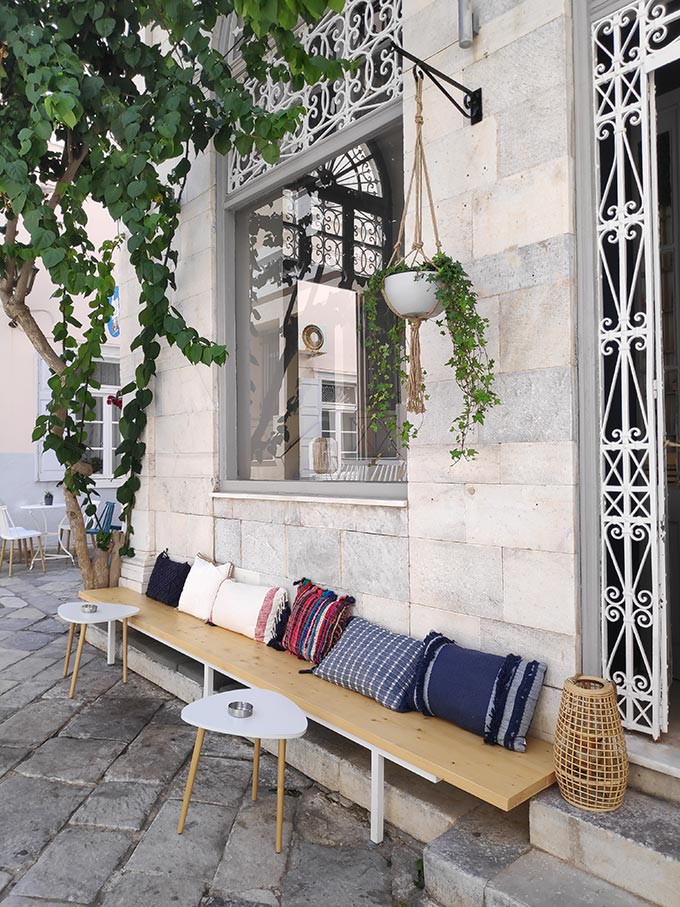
627	46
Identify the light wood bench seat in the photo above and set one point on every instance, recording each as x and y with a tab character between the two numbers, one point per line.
430	747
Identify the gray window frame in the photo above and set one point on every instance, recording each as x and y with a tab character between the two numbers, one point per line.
365	129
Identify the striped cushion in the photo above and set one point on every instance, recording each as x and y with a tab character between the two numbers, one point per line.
375	662
253	611
316	621
489	695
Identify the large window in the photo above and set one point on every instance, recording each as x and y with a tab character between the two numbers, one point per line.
304	253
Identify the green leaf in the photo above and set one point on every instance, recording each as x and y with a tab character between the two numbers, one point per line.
52	257
136	188
105	27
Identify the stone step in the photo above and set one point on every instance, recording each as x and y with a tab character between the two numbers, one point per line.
486	861
637	847
654	766
539	880
459	864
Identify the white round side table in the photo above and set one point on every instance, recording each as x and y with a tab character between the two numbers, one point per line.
106	612
274	718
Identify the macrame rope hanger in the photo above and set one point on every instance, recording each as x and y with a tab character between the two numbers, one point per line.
419	179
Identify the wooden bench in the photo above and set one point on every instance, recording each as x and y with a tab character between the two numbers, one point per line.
429	747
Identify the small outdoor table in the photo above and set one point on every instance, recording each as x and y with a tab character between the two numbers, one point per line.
43	510
106	612
274	718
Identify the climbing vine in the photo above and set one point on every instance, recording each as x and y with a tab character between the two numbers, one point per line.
472	369
109	103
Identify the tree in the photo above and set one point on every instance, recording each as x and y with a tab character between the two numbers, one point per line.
92	109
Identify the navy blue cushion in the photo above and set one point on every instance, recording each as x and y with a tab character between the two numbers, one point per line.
167	580
489	695
375	662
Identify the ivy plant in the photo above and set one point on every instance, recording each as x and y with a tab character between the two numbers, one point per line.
460	320
110	103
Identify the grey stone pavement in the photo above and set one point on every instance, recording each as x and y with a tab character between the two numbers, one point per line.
90	792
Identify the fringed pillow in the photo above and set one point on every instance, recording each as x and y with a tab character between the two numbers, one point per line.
316	621
375	662
167	580
254	611
200	588
490	695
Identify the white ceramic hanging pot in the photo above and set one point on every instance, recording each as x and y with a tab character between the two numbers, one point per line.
411	295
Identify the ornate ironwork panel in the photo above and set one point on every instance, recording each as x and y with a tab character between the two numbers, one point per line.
362	31
632	485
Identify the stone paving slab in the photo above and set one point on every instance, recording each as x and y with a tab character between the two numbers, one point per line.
155	755
73	760
16	900
75	865
9	757
23	693
5	879
121	805
6	685
33	665
321	821
27	640
137	686
32	810
243	867
341	876
94	679
254	898
32	725
221	781
113	719
136	888
197	851
50	625
21	620
9	657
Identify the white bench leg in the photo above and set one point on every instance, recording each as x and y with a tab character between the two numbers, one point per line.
111	643
208	680
377	796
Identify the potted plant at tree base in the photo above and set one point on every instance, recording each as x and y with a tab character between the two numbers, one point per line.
436	288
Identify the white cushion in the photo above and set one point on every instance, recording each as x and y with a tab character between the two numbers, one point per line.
200	588
253	611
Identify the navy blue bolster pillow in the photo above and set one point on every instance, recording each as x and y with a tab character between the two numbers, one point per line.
493	696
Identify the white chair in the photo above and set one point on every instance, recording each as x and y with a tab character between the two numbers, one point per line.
11	533
64	535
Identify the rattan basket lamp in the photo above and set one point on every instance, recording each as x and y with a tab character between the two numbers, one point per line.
591	760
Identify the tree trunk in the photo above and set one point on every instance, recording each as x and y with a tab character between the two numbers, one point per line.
100	570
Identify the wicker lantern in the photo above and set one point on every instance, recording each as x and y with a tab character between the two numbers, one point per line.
591	761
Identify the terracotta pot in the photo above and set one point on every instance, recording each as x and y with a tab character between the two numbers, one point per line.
412	295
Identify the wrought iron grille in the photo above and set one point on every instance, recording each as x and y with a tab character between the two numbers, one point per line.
362	31
631	451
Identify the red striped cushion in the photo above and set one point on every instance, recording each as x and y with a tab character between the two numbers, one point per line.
316	622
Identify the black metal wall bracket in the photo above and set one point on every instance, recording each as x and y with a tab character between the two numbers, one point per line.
472	98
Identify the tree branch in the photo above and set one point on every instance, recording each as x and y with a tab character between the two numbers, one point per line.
68	177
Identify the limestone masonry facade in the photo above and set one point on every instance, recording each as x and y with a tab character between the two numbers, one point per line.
485	551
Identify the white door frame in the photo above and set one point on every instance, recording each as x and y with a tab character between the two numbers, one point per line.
628	46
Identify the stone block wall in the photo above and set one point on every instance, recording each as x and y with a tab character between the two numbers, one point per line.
484	551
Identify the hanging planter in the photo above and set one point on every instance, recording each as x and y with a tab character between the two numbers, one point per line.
417	287
411	295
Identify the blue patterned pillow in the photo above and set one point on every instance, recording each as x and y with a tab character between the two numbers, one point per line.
376	662
489	695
